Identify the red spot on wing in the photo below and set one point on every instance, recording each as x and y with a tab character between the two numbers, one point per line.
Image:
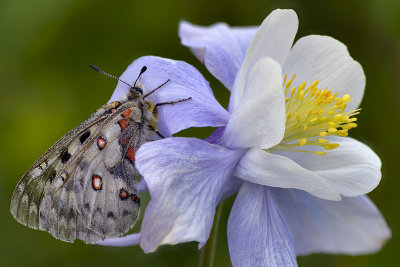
97	182
127	113
135	198
130	154
123	123
123	194
101	143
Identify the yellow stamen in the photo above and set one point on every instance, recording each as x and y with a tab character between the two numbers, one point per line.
313	113
302	142
346	98
332	124
331	146
343	133
284	80
293	90
337	117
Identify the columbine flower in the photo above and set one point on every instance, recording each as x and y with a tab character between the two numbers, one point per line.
284	148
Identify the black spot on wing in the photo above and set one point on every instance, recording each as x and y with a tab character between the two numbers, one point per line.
52	175
126	213
111	215
84	136
87	206
65	157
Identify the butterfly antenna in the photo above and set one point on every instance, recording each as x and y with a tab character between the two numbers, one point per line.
144	68
112	76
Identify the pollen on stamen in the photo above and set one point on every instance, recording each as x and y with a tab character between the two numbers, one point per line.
313	113
302	142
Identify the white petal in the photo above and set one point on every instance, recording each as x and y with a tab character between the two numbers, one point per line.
327	60
260	167
350	226
185	178
273	39
352	169
259	120
257	232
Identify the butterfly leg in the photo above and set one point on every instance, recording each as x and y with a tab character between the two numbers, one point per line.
155	130
155	111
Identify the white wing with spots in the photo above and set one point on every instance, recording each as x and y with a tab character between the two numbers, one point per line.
97	197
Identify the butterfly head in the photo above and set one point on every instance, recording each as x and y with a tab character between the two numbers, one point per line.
136	90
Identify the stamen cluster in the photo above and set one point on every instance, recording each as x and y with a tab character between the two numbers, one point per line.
311	114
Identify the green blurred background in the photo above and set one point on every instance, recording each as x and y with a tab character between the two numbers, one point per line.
47	89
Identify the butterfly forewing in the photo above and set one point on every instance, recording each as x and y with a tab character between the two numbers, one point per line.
84	186
34	184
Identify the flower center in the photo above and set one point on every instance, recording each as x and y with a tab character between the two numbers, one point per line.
311	115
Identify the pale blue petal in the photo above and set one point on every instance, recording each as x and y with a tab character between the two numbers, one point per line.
231	187
351	226
257	232
216	136
259	120
220	47
201	111
129	240
185	177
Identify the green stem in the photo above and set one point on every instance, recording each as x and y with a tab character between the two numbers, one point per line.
208	251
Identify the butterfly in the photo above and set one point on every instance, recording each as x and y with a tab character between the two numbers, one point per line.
85	186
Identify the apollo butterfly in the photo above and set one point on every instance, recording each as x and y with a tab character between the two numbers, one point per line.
85	186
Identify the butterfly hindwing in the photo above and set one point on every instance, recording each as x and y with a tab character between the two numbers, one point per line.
107	180
60	217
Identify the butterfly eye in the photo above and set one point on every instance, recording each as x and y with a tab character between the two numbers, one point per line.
138	89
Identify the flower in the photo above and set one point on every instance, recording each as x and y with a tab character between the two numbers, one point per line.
293	199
